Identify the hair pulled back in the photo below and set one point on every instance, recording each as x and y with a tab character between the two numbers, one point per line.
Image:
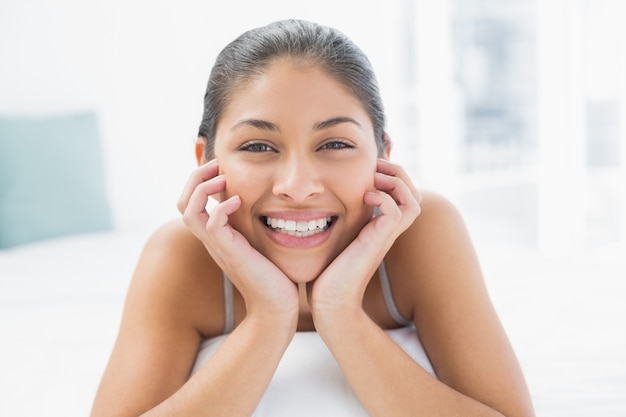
303	42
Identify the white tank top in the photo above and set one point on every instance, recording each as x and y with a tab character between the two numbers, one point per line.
308	380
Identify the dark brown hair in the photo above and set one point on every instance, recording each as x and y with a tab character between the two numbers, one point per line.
306	42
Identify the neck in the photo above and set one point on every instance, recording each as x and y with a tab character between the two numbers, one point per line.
305	319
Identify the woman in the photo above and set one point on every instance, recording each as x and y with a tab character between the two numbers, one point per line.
314	235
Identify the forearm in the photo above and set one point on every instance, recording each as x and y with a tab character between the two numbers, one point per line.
386	380
233	381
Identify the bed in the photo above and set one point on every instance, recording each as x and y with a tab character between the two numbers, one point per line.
60	304
61	301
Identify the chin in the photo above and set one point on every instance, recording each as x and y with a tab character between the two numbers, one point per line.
303	271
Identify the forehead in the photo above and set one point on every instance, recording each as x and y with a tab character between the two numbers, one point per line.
298	90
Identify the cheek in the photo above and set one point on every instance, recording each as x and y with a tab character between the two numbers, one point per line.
236	172
356	179
249	184
350	189
241	180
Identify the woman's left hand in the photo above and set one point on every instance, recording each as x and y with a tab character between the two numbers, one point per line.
343	283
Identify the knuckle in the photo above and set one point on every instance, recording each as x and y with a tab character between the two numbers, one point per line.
196	171
212	224
400	171
187	218
418	209
181	205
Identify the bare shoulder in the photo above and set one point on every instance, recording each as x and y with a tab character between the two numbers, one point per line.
437	211
438	229
433	258
438	282
173	245
174	238
174	300
175	268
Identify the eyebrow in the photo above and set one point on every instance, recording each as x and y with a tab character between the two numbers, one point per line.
265	125
334	122
256	123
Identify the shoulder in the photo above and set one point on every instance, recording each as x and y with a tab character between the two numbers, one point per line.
432	256
176	276
173	256
438	226
438	283
437	210
173	302
174	238
174	247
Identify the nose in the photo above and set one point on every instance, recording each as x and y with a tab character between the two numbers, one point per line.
297	180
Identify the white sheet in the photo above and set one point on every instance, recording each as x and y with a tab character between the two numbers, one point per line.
566	318
61	301
308	380
60	305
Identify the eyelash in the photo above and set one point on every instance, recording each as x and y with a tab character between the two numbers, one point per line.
260	147
255	147
333	145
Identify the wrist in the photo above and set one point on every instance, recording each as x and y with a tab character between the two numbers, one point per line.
337	318
285	322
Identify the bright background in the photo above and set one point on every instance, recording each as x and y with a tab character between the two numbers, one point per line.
515	110
517	99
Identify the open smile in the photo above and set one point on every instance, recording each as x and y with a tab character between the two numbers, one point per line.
298	228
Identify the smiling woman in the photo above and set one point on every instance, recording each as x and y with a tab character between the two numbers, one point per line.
317	246
297	155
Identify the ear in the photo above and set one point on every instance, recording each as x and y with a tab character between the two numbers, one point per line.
200	146
387	142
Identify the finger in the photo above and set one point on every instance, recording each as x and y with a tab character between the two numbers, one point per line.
219	215
397	189
393	215
386	204
388	168
199	175
195	213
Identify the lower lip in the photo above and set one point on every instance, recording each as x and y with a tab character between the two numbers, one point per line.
295	242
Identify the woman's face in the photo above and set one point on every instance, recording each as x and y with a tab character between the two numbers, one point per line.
299	150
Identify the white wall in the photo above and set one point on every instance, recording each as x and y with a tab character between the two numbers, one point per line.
143	65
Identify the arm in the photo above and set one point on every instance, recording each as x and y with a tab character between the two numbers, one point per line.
166	314
233	381
440	284
455	318
172	301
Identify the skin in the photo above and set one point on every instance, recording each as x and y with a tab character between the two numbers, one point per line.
295	175
294	144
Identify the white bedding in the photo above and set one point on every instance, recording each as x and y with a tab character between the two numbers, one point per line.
308	372
61	301
60	305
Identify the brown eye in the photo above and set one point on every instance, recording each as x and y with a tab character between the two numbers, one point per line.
256	147
336	144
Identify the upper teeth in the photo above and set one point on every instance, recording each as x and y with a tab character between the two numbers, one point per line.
299	225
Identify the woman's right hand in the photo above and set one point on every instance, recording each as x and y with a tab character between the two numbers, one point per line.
268	293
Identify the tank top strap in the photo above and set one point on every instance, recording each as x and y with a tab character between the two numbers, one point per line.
229	305
229	301
388	297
